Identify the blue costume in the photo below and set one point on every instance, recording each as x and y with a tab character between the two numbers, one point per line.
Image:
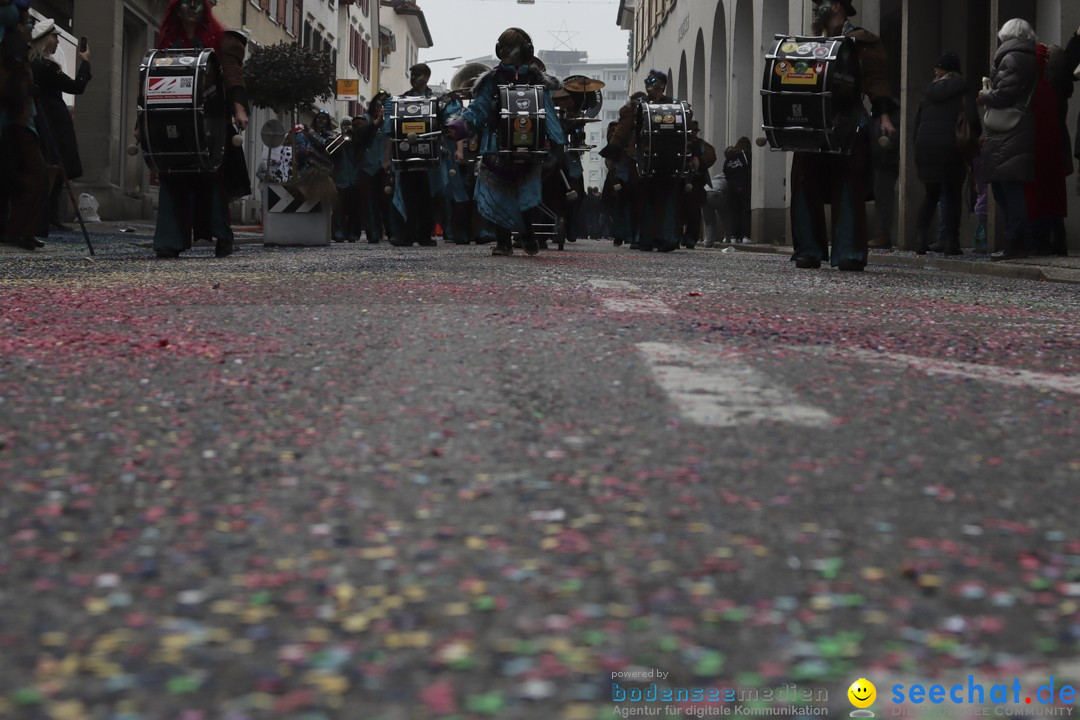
456	194
506	191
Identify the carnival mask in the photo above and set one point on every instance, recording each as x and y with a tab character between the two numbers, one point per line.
193	6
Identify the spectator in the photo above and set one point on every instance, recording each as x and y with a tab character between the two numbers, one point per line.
1008	153
58	131
704	157
715	212
23	182
737	166
940	163
1046	194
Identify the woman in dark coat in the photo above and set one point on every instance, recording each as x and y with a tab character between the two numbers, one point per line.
938	160
58	132
1008	157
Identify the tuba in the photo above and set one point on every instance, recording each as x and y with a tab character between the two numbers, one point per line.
461	85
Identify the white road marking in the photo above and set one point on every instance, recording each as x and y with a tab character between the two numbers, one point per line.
989	373
638	306
611	284
718	390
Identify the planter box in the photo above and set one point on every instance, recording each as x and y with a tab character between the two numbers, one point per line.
289	220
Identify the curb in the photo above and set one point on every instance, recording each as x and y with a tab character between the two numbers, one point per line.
1017	270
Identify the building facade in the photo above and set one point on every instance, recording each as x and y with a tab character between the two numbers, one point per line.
714	52
357	59
405	26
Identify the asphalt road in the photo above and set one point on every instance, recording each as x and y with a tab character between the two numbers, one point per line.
399	483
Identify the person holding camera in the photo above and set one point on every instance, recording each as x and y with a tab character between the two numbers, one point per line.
23	182
58	132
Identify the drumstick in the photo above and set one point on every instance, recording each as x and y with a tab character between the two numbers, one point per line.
760	141
571	195
238	140
133	149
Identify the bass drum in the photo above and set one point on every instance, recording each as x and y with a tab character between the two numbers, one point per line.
663	139
810	95
182	111
414	116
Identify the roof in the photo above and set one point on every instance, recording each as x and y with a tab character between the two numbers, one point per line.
625	18
414	18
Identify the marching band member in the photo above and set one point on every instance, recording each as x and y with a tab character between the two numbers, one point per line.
619	198
415	193
840	179
505	191
195	205
372	144
659	221
574	131
456	221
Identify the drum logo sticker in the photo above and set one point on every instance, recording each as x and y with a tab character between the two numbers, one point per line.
524	124
523	104
171	132
821	51
414	127
163	61
796	115
798	73
186	60
789	47
412	109
169	89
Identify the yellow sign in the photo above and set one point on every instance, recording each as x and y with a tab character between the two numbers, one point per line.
414	127
348	89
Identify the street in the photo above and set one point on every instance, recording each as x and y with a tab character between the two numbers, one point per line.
397	483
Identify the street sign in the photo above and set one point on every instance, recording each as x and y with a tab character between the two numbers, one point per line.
348	89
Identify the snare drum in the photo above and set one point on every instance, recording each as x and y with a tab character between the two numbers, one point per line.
663	139
810	94
522	131
182	111
414	116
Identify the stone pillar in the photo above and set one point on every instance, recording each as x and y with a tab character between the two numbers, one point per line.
920	51
768	216
104	113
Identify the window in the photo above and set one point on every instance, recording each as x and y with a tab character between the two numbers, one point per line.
365	7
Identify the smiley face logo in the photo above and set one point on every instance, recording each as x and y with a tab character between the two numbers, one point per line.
862	693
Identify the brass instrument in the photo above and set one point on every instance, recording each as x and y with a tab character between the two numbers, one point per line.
337	142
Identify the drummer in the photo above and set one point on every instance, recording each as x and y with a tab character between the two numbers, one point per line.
659	209
574	130
195	204
505	191
415	193
818	178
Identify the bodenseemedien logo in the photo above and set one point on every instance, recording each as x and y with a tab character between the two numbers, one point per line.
862	695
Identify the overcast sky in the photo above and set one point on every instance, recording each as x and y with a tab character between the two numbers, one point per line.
469	28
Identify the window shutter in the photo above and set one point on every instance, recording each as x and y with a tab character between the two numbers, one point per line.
282	11
297	14
265	5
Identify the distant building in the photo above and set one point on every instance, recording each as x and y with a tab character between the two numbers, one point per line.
407	30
